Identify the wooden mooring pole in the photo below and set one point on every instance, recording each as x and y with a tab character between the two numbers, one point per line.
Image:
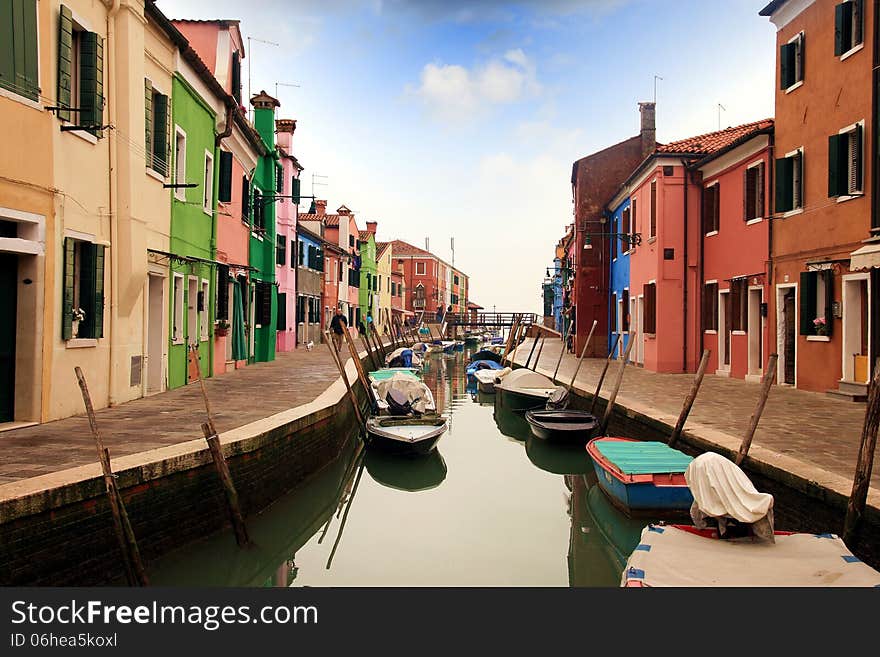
855	508
689	400
769	376
220	464
561	353
362	375
131	556
338	360
604	372
607	417
583	353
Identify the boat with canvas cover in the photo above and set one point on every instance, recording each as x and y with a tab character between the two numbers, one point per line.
642	477
487	380
387	372
475	366
406	435
403	393
485	354
524	390
404	357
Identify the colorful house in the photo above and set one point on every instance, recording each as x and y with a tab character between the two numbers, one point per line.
619	306
288	189
383	274
420	275
310	285
825	274
368	300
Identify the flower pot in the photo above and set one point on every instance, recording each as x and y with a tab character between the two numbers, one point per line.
221	332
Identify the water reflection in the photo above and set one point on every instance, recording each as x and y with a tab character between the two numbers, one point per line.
513	425
416	473
558	459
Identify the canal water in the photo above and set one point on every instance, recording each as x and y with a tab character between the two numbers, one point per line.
490	507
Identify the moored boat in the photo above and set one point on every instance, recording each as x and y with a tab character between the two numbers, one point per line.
406	435
485	354
477	365
524	390
642	477
563	426
488	379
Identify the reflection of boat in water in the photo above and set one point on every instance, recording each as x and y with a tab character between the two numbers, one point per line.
511	424
556	458
410	474
589	563
619	532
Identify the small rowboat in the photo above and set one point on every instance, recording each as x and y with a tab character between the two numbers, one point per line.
642	477
568	426
488	379
406	435
524	390
684	556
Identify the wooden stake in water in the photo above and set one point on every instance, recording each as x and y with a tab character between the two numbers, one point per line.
362	375
769	376
131	556
583	353
561	353
338	360
607	417
604	371
689	400
855	508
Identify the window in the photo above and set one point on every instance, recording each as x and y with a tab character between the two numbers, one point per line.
817	297
156	117
245	200
710	306
847	26
626	229
419	297
224	189
393	289
739	304
293	254
711	208
753	199
259	212
203	309
295	190
615	321
420	269
845	162
789	181
650	291
615	225
179	163
18	50
351	240
279	179
83	298
791	62
633	207
280	250
653	211
177	314
455	278
236	77
281	320
624	312
221	310
263	303
80	72
208	185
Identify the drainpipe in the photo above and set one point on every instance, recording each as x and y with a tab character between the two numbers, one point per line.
684	282
113	7
701	271
874	281
771	270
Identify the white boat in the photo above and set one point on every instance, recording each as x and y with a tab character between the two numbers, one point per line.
412	435
403	392
487	380
524	390
401	355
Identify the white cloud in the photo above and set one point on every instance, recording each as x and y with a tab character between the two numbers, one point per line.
453	93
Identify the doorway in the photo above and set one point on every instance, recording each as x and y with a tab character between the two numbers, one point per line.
856	328
640	328
192	323
725	324
756	331
155	334
9	303
786	322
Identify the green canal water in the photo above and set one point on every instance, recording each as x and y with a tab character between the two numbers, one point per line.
490	507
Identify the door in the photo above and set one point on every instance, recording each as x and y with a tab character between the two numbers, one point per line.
192	324
855	328
155	341
639	347
726	327
788	335
756	332
8	302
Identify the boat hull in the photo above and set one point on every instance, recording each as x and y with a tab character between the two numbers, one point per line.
387	439
567	427
520	402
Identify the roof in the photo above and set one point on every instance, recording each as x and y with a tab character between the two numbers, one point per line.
474	306
330	219
771	8
364	235
380	247
406	249
762	128
711	142
225	22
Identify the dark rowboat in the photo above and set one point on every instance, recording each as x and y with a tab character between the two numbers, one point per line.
406	435
563	426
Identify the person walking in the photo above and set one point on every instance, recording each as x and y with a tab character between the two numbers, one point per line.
337	325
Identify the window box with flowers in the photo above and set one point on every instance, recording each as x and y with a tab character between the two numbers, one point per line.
221	328
820	326
77	316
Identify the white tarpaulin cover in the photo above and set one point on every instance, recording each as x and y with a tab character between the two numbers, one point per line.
526	379
721	488
416	358
500	374
417	393
487	376
669	556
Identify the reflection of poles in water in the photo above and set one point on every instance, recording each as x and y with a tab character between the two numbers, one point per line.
345	515
344	486
286	573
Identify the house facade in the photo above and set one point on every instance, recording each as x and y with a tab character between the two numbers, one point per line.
383	274
310	286
368	300
619	304
287	188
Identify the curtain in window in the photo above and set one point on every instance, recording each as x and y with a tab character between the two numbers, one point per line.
239	343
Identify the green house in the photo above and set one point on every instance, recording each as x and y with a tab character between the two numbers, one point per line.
368	297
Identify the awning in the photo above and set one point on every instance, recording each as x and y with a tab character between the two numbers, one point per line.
866	257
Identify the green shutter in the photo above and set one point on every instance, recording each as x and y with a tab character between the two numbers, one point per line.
786	64
281	320
224	191
67	284
295	190
91	90
808	302
856	173
838	147
160	135
7	58
148	123
29	71
98	310
829	300
65	45
784	184
842	27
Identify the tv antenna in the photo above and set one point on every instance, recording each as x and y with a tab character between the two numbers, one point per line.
720	107
318	182
250	38
656	77
452	247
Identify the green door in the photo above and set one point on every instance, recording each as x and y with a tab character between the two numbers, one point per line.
8	276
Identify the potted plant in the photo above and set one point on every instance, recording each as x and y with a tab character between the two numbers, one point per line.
221	328
820	326
77	315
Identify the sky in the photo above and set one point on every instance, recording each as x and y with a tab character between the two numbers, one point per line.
447	120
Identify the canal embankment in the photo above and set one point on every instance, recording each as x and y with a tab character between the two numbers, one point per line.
56	528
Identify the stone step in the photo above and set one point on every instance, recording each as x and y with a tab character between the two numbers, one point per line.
853	387
848	396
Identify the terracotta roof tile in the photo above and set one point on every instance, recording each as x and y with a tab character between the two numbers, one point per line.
406	249
331	219
714	141
380	247
364	235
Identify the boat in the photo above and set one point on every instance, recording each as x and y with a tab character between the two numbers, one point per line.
496	340
448	346
403	393
474	366
387	372
487	380
459	345
406	435
404	357
524	390
642	477
485	354
472	340
411	475
563	426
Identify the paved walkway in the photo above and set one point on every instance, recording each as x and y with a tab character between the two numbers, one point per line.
812	427
237	398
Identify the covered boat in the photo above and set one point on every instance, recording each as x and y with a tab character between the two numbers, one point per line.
404	357
477	365
403	394
485	354
488	379
642	477
563	426
388	372
524	390
406	435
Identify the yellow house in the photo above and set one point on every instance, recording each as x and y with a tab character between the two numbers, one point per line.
383	274
27	206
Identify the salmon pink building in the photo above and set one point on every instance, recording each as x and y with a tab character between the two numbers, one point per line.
287	188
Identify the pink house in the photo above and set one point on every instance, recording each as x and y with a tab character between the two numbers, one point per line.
666	198
286	209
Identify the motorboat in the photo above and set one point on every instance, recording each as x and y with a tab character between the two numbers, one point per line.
406	435
563	426
485	354
524	390
487	380
474	366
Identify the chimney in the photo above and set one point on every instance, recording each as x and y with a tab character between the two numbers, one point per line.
648	129
371	227
285	125
321	207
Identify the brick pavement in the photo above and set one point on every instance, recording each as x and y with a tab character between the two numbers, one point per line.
237	398
815	428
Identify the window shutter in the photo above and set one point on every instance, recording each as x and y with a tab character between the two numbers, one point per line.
236	76
160	135
800	58
98	312
224	191
222	308
148	123
295	190
245	200
29	68
837	164
91	72
320	254
650	292
280	249
279	179
65	57
828	300
759	191
808	302
67	297
786	64
707	208
784	184
857	20
7	61
281	320
265	292
653	209
624	315
842	27
854	184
